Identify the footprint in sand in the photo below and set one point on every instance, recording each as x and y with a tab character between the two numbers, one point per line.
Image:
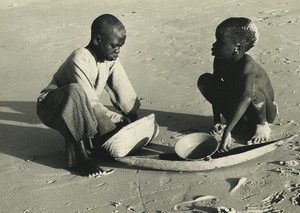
296	199
275	198
294	187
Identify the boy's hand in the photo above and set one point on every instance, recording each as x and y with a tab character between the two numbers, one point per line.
217	129
132	118
226	142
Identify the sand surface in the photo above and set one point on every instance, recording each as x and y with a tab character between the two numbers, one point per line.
167	49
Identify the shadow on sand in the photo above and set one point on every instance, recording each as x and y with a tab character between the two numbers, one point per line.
23	136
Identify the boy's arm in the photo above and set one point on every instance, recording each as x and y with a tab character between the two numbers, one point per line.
216	74
121	91
247	83
82	70
216	114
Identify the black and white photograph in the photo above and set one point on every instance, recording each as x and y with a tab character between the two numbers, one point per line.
150	106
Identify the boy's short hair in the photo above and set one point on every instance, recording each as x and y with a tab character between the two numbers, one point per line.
103	22
241	30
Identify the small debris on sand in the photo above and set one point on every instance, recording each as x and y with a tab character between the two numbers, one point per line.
241	182
289	163
223	209
51	181
130	208
115	204
202	198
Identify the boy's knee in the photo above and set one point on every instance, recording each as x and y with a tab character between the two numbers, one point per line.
258	100
74	88
203	79
258	105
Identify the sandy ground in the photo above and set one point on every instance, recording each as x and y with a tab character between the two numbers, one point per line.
167	49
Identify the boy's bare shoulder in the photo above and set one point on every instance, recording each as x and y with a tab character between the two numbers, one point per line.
251	67
248	59
248	64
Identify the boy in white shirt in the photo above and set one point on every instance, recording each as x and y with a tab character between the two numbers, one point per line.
70	103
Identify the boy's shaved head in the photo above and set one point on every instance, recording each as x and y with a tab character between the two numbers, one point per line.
108	35
105	24
241	30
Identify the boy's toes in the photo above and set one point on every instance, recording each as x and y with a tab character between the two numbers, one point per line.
257	140
261	135
260	140
252	141
89	168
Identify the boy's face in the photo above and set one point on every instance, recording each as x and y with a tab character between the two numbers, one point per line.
224	47
110	45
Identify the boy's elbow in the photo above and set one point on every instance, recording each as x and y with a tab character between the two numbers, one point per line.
247	96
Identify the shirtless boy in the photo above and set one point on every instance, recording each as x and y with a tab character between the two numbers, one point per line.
239	89
70	104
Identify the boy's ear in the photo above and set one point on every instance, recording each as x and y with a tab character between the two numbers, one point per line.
238	49
97	40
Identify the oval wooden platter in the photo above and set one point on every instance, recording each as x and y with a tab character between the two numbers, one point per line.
171	162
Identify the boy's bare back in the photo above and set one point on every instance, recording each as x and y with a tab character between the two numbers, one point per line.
233	74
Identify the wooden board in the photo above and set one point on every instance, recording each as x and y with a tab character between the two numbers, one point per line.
170	161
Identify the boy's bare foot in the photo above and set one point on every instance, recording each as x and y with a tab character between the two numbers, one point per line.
87	167
262	134
78	155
